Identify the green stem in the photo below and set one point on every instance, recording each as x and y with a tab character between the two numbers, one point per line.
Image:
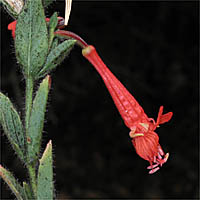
29	100
32	175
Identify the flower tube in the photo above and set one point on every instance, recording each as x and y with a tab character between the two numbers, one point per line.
144	139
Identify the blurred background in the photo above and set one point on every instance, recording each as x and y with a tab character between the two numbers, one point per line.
152	47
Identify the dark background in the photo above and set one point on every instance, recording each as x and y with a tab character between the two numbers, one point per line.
152	47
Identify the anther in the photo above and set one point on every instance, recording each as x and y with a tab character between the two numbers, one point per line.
154	170
152	166
154	159
164	160
159	156
161	151
166	157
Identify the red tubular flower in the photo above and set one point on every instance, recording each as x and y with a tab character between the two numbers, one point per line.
144	139
12	25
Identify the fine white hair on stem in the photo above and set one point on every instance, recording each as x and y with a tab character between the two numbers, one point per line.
16	5
68	5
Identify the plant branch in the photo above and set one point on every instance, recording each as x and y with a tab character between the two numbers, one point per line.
32	175
29	99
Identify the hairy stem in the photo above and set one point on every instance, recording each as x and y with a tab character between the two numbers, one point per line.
29	99
32	175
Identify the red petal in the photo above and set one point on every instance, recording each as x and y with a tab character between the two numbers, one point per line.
159	115
12	25
166	117
163	118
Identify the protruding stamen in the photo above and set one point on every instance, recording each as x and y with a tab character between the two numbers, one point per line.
154	170
154	159
159	156
164	160
152	166
161	151
166	157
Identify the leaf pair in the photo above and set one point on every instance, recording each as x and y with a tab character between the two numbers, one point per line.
44	179
27	147
38	52
33	41
34	133
58	52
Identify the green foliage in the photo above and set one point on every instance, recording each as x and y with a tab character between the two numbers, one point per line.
31	42
52	26
27	191
15	187
36	123
45	175
38	52
55	43
46	3
12	126
56	56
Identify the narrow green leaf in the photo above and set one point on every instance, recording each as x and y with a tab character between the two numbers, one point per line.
45	175
31	42
34	134
55	43
15	187
27	191
47	2
12	126
56	56
52	25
